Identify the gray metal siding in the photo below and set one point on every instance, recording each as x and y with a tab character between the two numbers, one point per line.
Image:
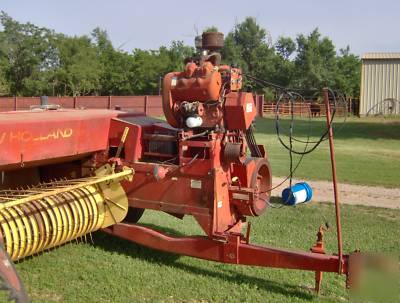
380	80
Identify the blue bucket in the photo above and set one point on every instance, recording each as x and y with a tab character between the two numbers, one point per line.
298	193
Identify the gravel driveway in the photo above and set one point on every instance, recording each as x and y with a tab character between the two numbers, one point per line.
348	193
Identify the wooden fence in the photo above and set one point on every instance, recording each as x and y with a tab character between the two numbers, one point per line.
151	105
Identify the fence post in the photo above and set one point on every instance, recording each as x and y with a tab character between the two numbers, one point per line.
260	105
109	102
15	103
350	109
145	104
74	105
301	108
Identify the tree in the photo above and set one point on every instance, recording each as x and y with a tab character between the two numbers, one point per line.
4	85
150	66
248	47
26	52
285	47
37	61
348	72
116	74
315	62
79	68
247	40
4	66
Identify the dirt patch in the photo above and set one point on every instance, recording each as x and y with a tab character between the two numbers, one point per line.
349	193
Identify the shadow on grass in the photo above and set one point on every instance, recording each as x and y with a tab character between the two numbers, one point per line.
114	244
351	129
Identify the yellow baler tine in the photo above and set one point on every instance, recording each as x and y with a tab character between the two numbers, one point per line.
64	217
47	224
74	216
89	203
78	183
14	233
92	209
84	206
40	236
57	223
77	203
92	204
34	229
25	251
8	239
55	228
70	220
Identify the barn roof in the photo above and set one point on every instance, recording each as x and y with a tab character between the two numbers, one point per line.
377	56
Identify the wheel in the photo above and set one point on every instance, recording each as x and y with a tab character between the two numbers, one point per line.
134	215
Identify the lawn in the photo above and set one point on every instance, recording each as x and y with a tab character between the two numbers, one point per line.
114	270
367	150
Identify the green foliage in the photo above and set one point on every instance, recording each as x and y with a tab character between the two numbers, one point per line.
211	29
348	76
150	66
26	54
38	61
311	62
285	47
248	47
315	61
79	69
247	42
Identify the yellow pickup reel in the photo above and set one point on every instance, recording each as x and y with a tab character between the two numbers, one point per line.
51	214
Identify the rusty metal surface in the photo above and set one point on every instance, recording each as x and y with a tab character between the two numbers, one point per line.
233	250
334	179
212	41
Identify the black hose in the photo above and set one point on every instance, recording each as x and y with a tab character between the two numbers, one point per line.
291	95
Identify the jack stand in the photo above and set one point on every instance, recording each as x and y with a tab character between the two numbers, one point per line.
319	248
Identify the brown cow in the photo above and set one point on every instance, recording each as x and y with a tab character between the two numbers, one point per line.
315	109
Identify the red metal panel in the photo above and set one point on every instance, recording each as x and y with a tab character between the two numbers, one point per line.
45	135
133	142
240	110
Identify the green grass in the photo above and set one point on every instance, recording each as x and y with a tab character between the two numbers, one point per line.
367	150
114	270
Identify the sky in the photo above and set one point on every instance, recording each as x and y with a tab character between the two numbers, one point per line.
365	25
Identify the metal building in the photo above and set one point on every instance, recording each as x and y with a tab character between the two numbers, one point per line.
380	84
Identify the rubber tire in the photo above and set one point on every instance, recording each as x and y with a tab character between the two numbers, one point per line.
134	215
